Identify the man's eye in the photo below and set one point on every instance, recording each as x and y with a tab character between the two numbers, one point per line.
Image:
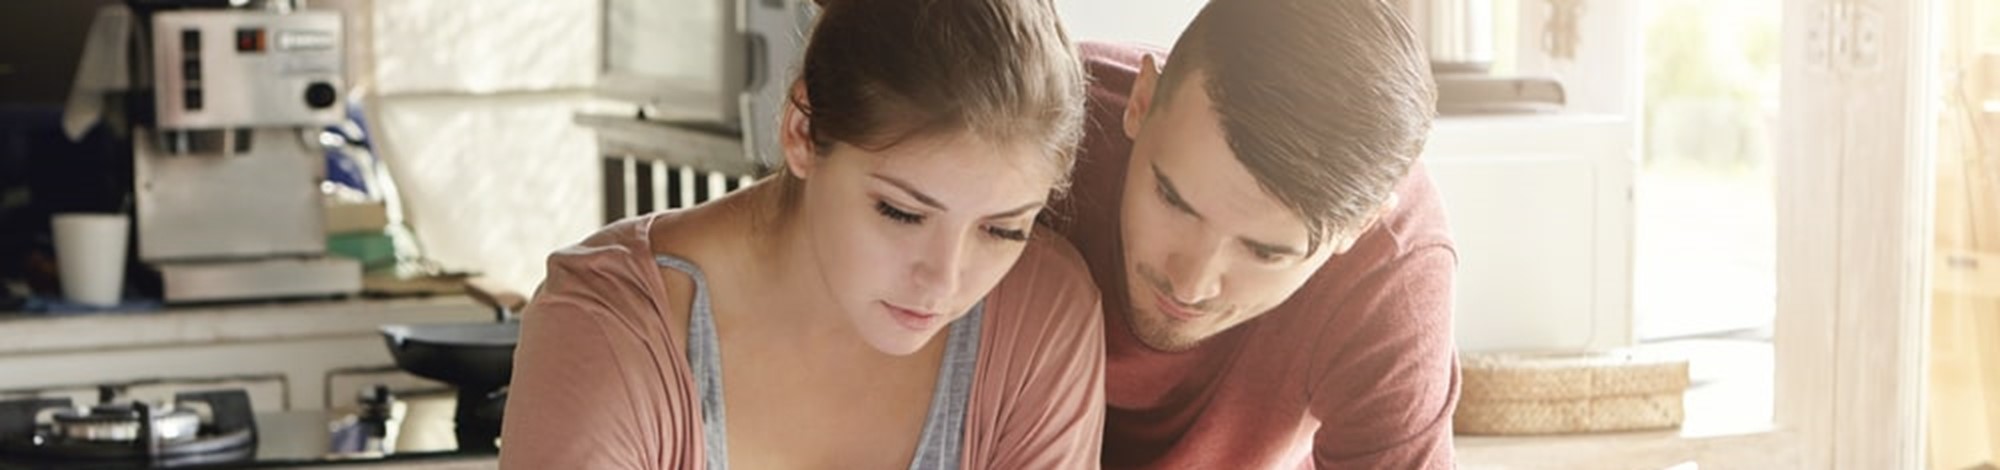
1170	198
898	215
1268	254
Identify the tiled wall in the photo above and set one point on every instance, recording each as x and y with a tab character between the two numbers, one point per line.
1155	22
468	46
472	102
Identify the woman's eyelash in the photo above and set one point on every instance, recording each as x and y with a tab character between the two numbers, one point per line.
906	217
1008	234
898	215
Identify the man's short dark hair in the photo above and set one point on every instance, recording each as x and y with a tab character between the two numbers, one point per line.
1326	102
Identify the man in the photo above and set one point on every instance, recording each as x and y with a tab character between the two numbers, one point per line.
1276	269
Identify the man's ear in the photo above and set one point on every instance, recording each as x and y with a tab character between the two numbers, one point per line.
795	136
1140	101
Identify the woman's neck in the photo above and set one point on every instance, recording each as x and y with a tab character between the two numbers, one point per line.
776	255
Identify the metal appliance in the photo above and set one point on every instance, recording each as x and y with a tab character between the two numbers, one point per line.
1458	34
195	428
225	168
711	66
223	427
1458	38
706	79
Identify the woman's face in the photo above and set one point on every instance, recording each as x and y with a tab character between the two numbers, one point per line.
908	238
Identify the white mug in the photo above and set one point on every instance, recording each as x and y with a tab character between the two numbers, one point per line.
90	254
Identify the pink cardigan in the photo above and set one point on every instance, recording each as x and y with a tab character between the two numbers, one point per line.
599	382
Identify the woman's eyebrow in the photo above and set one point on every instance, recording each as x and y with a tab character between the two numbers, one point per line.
926	199
1010	213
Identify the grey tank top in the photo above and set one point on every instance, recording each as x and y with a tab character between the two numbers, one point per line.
943	437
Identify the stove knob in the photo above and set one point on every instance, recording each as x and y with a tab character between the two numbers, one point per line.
376	402
107	394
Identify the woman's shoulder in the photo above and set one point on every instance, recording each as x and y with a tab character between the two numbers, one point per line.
609	254
609	273
1047	296
594	375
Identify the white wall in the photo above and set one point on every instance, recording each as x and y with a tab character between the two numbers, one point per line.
1155	22
472	104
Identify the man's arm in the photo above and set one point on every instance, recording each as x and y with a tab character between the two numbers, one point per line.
1390	382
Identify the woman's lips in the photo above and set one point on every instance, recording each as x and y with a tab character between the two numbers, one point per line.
914	320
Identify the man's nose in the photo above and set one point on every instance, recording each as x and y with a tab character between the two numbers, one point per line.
1196	274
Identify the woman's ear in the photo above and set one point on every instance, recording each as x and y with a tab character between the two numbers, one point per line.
795	135
1140	101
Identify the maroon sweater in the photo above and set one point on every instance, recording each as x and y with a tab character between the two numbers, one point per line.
1356	370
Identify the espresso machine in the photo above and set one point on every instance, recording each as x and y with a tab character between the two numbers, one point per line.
226	166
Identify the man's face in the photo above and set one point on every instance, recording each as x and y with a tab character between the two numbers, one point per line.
1206	248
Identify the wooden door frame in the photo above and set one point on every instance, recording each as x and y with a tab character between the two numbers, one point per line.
1854	180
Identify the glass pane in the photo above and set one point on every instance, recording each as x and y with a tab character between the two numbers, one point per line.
1964	393
1704	267
1705	231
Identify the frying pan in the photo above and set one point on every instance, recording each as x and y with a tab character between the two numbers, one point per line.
476	356
466	355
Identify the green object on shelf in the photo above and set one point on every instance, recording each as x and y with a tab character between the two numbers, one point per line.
372	249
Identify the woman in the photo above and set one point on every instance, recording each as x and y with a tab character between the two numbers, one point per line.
884	301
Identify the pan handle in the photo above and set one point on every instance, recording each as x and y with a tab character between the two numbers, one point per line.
506	304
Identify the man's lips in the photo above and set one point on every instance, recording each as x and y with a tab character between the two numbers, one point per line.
1171	308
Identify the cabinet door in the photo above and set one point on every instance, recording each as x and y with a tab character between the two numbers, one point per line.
303	365
1540	209
344	385
1523	228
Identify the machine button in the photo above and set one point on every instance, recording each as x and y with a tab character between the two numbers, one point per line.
250	40
319	95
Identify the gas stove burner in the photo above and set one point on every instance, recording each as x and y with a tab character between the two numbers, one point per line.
193	428
119	422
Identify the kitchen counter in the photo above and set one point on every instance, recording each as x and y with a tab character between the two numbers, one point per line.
295	355
1728	423
441	463
1749	448
34	333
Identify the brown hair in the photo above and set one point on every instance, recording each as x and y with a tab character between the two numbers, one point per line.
1326	102
877	72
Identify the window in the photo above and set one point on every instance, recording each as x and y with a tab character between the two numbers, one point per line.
1964	394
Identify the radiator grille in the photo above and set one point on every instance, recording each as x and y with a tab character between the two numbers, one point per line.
635	186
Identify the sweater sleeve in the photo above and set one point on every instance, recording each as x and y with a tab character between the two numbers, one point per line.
1385	398
1038	398
594	385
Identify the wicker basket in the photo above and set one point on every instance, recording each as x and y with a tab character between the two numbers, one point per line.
1512	394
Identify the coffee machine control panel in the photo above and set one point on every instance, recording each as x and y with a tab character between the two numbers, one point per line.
232	69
